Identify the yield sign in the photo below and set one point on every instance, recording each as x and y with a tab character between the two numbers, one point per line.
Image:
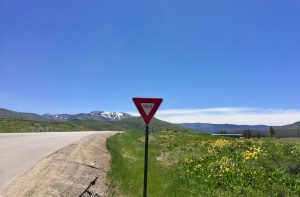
147	107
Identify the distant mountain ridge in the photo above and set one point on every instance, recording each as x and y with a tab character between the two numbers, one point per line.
95	115
295	125
214	128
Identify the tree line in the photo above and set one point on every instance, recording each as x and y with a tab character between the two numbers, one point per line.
250	134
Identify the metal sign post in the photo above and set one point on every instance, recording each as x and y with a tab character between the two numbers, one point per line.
146	160
147	108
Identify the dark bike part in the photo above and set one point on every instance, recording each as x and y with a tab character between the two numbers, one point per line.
94	181
91	184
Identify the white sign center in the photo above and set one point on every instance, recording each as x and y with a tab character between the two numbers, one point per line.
147	107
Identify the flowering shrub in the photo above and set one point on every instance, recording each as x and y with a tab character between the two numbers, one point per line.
236	164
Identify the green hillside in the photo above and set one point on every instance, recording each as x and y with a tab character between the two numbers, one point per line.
11	125
9	114
132	124
137	124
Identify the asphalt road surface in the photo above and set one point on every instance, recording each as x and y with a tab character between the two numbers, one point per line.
19	152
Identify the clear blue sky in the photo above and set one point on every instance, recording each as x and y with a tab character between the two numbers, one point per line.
77	56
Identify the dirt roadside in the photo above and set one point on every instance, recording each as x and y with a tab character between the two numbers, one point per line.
68	171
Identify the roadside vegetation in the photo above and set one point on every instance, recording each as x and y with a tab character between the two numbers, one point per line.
192	164
12	126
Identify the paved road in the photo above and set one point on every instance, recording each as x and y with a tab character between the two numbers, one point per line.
21	151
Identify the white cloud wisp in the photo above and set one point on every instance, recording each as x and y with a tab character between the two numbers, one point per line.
230	115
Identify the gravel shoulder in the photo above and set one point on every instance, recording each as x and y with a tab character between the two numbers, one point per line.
68	171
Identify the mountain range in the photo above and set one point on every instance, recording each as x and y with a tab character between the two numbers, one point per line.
11	121
214	128
95	115
100	120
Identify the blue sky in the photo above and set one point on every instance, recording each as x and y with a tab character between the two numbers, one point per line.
74	56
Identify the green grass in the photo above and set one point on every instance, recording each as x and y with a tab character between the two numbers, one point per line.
191	164
127	151
291	140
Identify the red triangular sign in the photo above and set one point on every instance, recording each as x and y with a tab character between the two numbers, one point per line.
147	107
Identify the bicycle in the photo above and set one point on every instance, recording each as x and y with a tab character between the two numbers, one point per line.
90	194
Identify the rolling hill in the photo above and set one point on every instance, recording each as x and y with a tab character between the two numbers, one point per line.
295	125
9	114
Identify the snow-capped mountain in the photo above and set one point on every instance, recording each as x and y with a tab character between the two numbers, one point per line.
111	115
95	115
